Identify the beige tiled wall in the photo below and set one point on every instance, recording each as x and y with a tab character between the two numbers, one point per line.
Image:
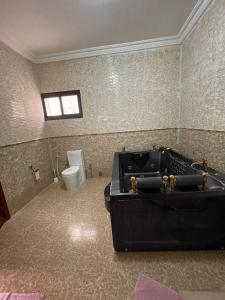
203	73
20	105
199	144
203	89
16	175
21	120
99	148
123	92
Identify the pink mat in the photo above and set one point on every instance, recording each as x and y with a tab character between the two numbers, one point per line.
149	289
15	296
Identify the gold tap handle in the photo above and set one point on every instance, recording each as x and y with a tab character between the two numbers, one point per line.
165	182
133	181
205	178
172	182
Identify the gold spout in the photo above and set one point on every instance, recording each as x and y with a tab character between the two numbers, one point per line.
133	181
205	164
165	182
172	182
205	178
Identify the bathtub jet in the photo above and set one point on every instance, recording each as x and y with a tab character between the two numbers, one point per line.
162	200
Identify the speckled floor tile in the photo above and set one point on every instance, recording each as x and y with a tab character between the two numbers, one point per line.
189	295
60	245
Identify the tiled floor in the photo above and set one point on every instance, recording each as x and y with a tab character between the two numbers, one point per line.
202	295
60	245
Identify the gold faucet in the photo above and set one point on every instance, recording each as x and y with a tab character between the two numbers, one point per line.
204	163
133	181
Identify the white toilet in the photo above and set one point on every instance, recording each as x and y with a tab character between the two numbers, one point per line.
74	175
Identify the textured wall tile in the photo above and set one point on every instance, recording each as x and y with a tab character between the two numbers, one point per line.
20	104
122	92
198	144
16	176
203	72
99	149
21	120
203	89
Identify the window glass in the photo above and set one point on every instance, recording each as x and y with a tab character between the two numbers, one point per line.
70	105
52	106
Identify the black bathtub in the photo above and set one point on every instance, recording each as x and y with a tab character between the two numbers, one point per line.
170	203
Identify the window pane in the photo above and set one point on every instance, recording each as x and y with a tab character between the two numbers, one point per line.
70	105
52	106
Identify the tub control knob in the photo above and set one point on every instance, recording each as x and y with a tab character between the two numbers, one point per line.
165	182
133	181
172	182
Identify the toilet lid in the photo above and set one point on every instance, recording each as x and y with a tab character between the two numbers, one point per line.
70	171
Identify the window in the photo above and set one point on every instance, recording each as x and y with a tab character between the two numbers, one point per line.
62	105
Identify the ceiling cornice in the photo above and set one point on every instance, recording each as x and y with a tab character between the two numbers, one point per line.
201	7
197	12
110	49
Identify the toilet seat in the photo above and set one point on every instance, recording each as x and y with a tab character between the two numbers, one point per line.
70	171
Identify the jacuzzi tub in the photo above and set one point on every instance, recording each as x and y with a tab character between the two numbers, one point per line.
188	215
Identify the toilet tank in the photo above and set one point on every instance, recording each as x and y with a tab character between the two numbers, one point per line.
75	158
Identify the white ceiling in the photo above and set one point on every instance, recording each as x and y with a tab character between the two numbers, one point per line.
52	26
